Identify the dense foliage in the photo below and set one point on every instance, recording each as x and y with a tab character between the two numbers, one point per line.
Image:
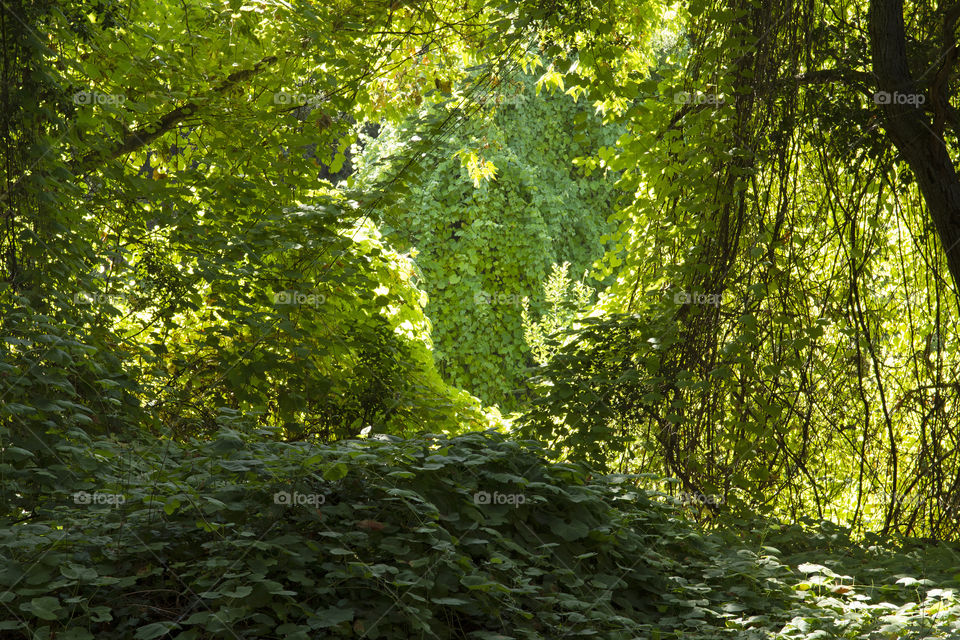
504	201
782	327
215	277
269	267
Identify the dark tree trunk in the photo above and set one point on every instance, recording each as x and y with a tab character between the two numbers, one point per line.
914	134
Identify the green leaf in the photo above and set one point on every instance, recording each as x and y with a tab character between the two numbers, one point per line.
227	442
155	630
570	531
331	617
335	472
44	608
241	591
75	633
79	572
16	453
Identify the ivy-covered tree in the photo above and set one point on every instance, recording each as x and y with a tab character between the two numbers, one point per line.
505	199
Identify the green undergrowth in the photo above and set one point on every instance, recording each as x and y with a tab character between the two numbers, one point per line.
478	536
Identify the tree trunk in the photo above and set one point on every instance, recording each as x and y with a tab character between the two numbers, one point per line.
907	124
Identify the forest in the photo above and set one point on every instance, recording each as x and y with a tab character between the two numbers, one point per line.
479	319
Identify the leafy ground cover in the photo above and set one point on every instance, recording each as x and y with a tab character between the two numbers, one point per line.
475	536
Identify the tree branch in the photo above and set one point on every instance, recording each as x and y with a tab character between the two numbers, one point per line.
148	133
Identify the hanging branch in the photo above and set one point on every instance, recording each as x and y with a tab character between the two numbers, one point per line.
148	133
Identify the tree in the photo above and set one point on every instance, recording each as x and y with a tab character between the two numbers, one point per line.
776	239
917	125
